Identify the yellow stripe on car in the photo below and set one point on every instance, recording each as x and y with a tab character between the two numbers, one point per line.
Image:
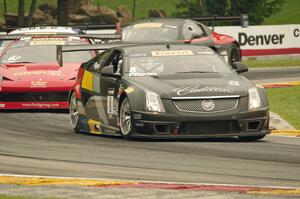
129	90
87	81
94	126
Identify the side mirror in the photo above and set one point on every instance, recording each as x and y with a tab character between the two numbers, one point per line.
108	71
239	67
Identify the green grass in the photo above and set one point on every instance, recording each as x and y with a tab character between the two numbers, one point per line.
21	197
286	103
289	14
13	197
272	63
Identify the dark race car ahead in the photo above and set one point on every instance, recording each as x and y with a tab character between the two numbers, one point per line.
166	91
31	78
182	30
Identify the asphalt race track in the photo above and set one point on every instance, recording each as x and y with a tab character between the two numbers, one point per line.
39	143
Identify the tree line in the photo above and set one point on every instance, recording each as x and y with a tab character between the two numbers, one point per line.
257	10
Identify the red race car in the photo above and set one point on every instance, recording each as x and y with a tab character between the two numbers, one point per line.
30	76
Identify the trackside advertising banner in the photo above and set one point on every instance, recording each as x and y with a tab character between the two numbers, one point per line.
265	40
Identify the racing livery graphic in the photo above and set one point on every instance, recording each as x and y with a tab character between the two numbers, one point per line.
166	91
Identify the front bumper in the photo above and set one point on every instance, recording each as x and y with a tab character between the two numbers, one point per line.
33	105
192	125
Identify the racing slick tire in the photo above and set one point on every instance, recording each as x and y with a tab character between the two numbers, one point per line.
251	138
235	55
125	119
74	113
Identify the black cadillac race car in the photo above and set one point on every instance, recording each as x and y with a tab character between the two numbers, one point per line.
166	91
186	31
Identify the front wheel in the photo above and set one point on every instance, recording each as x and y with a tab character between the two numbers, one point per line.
74	114
125	119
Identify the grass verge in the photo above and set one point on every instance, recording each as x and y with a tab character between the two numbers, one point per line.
21	197
286	103
272	63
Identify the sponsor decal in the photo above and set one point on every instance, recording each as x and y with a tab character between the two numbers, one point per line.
2	105
55	73
38	84
148	25
205	53
133	73
171	53
199	89
110	102
267	39
39	105
51	73
208	105
37	43
234	83
47	41
138	55
142	74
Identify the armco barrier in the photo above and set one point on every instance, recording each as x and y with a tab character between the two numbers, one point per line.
265	40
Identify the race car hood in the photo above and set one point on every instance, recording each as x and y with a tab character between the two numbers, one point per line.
37	77
195	85
24	72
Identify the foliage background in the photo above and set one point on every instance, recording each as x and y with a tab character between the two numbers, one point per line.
289	14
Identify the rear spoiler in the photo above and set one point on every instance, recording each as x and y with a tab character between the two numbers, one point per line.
104	37
60	49
243	19
81	27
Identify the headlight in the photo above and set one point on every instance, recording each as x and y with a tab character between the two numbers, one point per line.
153	102
254	99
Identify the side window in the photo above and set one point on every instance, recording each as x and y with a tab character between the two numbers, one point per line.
192	31
115	60
98	62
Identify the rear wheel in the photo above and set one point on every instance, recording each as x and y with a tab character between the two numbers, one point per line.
251	138
125	119
74	114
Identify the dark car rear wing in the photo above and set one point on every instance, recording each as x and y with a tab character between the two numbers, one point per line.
103	37
60	49
243	19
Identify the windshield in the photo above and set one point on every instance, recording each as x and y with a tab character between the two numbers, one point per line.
150	34
33	51
165	65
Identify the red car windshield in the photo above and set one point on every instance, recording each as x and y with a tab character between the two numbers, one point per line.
42	50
